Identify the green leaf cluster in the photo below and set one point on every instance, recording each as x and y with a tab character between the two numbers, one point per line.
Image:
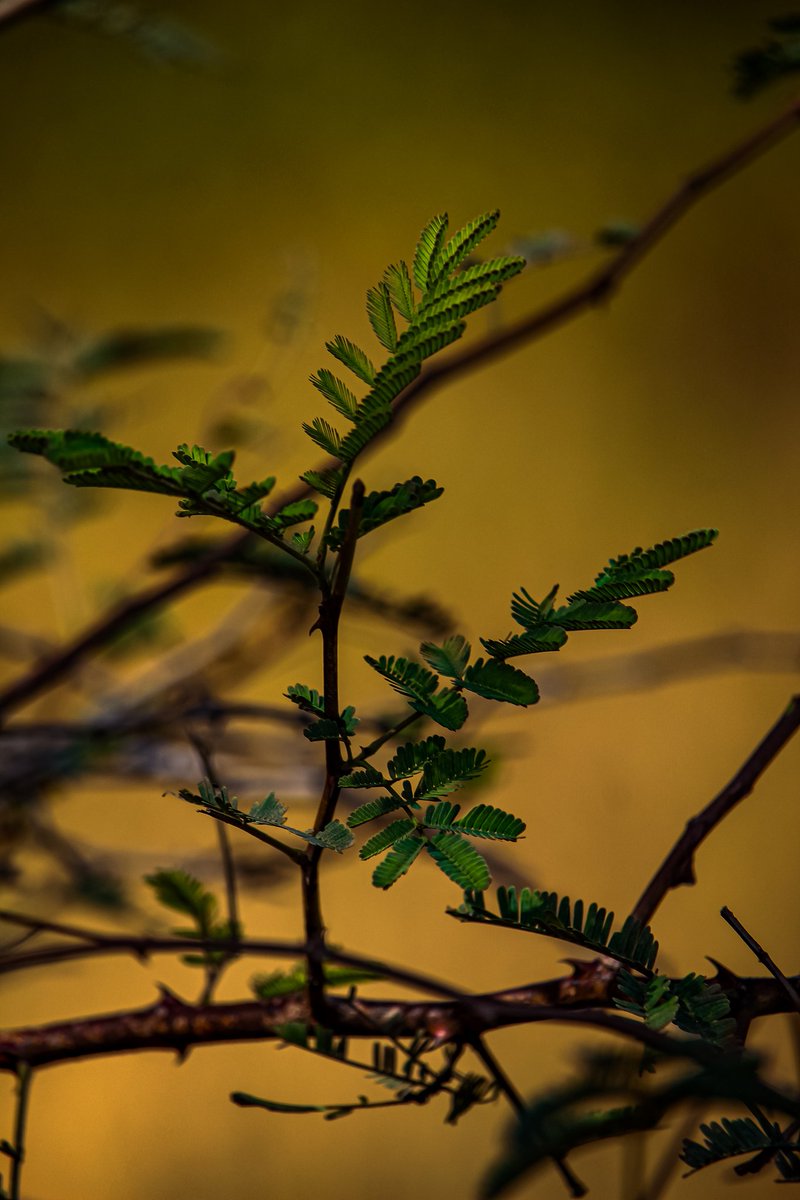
639	573
695	1004
269	811
447	706
547	913
440	831
734	1136
203	482
413	314
270	985
380	507
183	893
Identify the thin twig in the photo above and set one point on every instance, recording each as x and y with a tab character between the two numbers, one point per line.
600	285
498	1074
761	955
24	1081
678	867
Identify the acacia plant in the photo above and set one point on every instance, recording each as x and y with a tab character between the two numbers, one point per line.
684	1040
392	797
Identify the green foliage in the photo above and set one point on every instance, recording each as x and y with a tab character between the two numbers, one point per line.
419	685
183	893
386	837
269	811
590	926
288	983
639	573
399	860
695	1004
732	1137
380	507
460	861
203	481
483	821
432	321
545	629
372	809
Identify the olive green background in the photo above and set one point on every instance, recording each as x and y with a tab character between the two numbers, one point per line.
298	165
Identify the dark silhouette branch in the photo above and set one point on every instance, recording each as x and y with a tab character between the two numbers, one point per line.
454	1016
598	287
677	868
762	956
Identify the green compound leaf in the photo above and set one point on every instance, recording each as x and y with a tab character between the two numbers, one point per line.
548	914
372	809
334	836
448	659
386	837
450	256
483	821
287	983
408	678
335	392
460	861
695	1004
381	315
325	729
268	811
430	241
401	289
295	513
449	295
732	1137
399	860
306	698
91	460
448	770
660	555
327	483
369	777
324	435
447	708
418	685
639	573
185	894
539	640
380	507
500	681
411	758
352	356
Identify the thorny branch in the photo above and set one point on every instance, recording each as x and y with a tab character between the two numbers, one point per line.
678	867
598	287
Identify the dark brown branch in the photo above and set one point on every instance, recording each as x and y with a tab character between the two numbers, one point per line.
330	611
455	1016
678	867
762	956
172	1024
599	286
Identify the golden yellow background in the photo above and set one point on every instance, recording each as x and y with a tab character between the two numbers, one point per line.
303	160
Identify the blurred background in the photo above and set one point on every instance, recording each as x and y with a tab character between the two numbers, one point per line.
228	181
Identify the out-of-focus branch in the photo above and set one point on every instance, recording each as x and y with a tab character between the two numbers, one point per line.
597	288
12	10
678	867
